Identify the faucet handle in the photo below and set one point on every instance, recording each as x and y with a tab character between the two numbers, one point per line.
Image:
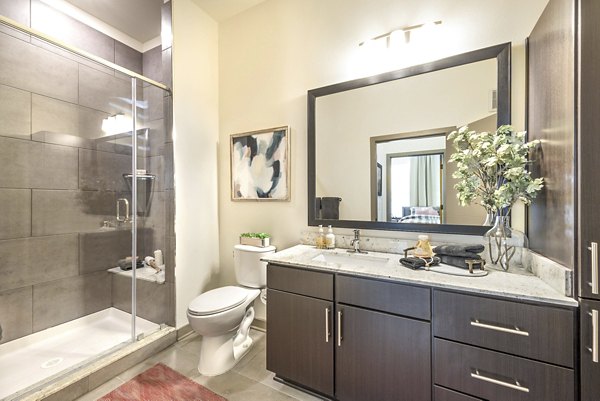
356	233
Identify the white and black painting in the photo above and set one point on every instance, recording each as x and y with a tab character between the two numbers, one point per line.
260	166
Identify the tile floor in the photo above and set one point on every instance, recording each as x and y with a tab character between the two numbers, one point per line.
247	381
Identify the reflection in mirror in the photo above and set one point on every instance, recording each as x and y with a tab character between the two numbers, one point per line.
412	179
377	156
353	140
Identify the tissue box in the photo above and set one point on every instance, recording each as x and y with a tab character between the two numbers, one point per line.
260	242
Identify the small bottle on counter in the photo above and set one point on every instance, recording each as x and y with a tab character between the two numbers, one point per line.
423	248
321	238
330	239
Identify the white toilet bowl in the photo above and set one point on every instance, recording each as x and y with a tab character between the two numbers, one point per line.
223	317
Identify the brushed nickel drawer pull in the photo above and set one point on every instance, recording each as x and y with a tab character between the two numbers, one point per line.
515	386
594	249
516	330
327	331
594	336
339	336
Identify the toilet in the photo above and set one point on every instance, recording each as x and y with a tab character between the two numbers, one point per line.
223	316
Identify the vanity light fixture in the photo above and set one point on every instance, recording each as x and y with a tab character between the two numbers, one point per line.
402	35
116	124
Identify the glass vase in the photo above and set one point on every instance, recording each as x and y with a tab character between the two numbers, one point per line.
506	246
490	217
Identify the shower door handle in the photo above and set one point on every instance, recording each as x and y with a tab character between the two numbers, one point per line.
119	217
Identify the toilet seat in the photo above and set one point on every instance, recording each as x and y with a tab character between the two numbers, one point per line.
217	300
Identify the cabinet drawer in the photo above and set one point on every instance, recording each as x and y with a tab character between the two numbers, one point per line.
300	281
499	377
443	394
400	299
537	332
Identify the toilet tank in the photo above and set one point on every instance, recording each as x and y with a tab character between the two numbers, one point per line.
250	271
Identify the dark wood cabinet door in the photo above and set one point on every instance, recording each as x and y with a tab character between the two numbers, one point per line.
298	347
590	370
381	357
589	146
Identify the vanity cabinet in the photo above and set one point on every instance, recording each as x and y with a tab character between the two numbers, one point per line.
356	338
380	355
300	335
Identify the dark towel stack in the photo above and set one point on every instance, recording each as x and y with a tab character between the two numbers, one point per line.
418	263
457	255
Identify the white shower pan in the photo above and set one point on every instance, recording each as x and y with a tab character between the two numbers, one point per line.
30	360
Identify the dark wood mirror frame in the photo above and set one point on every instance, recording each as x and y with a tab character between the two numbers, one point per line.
502	53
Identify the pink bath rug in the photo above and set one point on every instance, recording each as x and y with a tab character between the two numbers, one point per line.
161	383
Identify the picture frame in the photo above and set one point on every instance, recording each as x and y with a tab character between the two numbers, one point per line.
260	165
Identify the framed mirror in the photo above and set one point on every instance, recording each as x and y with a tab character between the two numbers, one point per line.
378	150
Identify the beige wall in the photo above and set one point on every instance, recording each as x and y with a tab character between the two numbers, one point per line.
271	54
196	134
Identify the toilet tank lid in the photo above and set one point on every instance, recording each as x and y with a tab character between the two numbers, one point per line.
218	300
258	249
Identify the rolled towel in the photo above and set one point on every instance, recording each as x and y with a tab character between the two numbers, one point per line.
464	251
457	261
417	263
125	264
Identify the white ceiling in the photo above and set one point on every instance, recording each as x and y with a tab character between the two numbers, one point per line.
221	10
139	19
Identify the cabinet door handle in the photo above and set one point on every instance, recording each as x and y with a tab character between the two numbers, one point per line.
339	324
594	336
516	330
515	386
327	331
594	249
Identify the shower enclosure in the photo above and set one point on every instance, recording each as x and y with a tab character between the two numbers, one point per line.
86	188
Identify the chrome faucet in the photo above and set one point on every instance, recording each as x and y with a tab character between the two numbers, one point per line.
356	243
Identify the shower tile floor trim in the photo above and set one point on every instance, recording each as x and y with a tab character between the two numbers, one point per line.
249	380
26	361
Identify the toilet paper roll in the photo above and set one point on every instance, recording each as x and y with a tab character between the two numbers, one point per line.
158	256
149	259
263	296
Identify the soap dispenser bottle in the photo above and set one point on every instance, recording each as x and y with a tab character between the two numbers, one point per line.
330	239
321	238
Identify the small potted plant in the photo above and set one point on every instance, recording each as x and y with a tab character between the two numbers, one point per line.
255	239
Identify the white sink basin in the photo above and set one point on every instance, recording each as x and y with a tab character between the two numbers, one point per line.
350	259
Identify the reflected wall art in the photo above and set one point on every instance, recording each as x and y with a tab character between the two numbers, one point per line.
260	165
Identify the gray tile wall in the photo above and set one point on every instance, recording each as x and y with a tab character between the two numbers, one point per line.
61	175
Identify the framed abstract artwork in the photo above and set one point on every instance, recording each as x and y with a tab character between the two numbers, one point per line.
260	165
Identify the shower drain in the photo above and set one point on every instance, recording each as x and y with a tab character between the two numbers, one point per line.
51	363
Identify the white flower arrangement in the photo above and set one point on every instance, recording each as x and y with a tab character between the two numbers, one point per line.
491	168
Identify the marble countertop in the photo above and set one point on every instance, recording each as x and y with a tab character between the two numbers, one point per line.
517	285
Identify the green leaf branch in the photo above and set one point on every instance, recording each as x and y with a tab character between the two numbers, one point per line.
491	168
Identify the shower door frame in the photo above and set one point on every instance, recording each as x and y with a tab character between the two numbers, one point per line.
134	80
